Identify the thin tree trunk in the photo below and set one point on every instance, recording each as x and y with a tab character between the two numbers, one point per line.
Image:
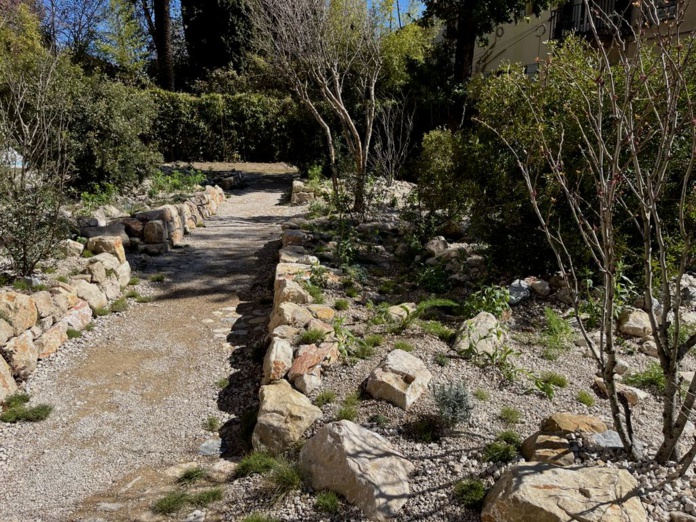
465	47
163	44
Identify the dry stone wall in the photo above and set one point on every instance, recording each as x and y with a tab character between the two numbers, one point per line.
34	326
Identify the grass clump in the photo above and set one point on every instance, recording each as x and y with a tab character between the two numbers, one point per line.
15	409
120	305
170	503
222	383
143	299
205	497
325	397
284	478
403	345
134	281
101	312
374	340
510	437
211	424
192	475
470	493
481	395
62	279
87	254
352	292
442	360
132	294
454	403
311	336
349	408
256	462
438	329
557	335
327	502
499	451
316	293
89	327
510	415
379	420
21	284
651	378
73	334
157	278
586	398
554	379
341	304
362	350
426	429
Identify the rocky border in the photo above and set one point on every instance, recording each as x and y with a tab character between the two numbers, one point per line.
35	326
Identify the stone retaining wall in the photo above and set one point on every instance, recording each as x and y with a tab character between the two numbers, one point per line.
34	326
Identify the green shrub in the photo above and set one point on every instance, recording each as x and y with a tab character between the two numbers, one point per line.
557	335
470	493
157	278
211	424
258	462
101	312
352	292
62	279
284	477
434	279
327	502
346	412
554	379
134	281
168	181
170	503
510	415
482	395
205	497
586	398
87	254
192	475
510	437
362	350
403	345
16	400
325	397
379	420
120	305
491	299
21	285
73	334
132	294
438	329
374	340
341	304
453	402
499	451
311	336
144	299
24	413
652	378
222	383
441	359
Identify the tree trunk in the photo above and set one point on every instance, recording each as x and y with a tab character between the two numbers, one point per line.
163	44
465	47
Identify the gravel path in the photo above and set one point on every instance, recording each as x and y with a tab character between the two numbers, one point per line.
131	396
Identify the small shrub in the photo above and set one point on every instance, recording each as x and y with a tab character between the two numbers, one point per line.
442	360
132	294
205	497
499	451
510	437
284	478
134	281
438	329
555	379
403	345
651	378
510	415
374	340
157	278
433	279
73	334
557	335
170	503
87	254
21	285
325	397
143	299
48	270
341	304
311	336
222	383
481	395
345	412
425	429
258	462
315	292
16	400
453	402
492	299
327	502
101	312
470	493
586	398
89	327
16	410
352	292
211	424
62	279
120	305
388	287
192	475
362	350
379	420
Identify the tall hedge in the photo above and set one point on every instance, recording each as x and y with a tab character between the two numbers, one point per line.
223	127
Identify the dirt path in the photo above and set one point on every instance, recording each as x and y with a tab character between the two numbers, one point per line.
131	397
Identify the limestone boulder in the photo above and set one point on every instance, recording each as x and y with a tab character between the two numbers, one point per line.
111	287
309	360
277	361
401	378
546	493
111	230
635	323
290	256
285	332
544	447
309	382
284	416
18	310
294	271
360	465
289	314
133	227
21	354
69	248
90	293
633	395
566	423
44	304
290	291
322	312
436	246
479	335
155	232
6	332
110	262
64	296
123	274
8	386
539	286
78	317
97	272
51	340
109	244
400	312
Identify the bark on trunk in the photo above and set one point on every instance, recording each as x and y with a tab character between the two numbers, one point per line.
465	47
163	44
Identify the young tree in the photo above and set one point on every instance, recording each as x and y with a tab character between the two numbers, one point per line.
330	53
123	42
624	108
469	20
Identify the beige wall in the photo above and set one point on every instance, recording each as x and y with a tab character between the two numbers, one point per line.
525	41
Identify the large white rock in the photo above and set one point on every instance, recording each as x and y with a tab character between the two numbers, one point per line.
8	386
277	361
289	291
546	493
109	244
90	293
481	334
360	465
635	323
123	273
400	378
18	310
400	312
289	314
21	354
284	416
